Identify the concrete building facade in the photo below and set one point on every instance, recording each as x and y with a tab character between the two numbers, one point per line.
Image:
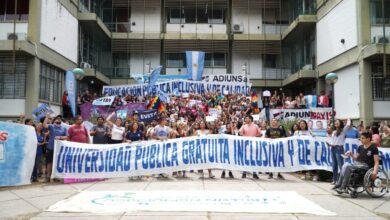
284	44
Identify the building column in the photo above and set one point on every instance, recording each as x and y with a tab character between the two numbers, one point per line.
33	63
365	81
32	85
366	101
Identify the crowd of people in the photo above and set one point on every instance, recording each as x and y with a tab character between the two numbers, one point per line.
187	116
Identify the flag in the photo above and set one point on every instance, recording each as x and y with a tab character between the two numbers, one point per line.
163	96
70	86
311	101
156	103
195	64
153	79
254	99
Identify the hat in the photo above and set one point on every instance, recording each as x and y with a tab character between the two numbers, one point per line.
58	116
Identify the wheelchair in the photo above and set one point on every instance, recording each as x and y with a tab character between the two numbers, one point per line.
360	181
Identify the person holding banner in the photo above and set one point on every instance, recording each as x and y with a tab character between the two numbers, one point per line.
56	132
202	131
250	129
134	133
100	132
232	130
117	130
162	132
275	132
41	137
77	132
337	147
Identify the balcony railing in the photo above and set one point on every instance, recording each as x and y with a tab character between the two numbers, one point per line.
381	88
122	27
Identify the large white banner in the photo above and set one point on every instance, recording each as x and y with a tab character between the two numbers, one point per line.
18	147
76	160
189	201
182	86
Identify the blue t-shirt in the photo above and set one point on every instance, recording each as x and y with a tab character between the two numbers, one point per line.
41	139
55	131
134	136
352	133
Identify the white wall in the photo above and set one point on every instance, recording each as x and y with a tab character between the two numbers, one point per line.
59	29
146	20
138	62
197	28
347	95
6	28
254	64
381	109
340	23
12	107
240	16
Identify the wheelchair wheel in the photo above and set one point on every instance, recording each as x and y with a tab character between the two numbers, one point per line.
378	187
353	194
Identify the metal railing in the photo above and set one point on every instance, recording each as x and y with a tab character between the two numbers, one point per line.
381	88
122	27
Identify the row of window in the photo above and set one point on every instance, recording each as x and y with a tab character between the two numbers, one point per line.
8	13
178	60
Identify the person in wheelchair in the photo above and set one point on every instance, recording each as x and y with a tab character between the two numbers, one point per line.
367	157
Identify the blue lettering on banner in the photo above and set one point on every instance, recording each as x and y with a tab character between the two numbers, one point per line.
203	152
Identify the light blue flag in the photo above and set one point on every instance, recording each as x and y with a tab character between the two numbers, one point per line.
195	64
311	101
70	86
163	96
153	79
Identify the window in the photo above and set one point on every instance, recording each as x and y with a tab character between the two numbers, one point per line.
7	10
176	60
50	80
270	61
215	60
380	84
12	85
216	16
376	12
176	16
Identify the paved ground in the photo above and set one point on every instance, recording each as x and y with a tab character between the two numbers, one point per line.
30	202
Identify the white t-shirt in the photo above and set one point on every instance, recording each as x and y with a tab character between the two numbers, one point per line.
302	133
117	133
204	132
162	131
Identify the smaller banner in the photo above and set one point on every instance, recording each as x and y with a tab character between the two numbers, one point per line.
104	101
18	146
42	111
179	86
122	114
88	110
226	78
195	64
70	86
148	115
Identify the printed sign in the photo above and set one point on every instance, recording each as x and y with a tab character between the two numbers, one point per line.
18	146
104	101
42	111
148	115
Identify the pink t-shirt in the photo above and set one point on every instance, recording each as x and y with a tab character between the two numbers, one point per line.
250	130
77	133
